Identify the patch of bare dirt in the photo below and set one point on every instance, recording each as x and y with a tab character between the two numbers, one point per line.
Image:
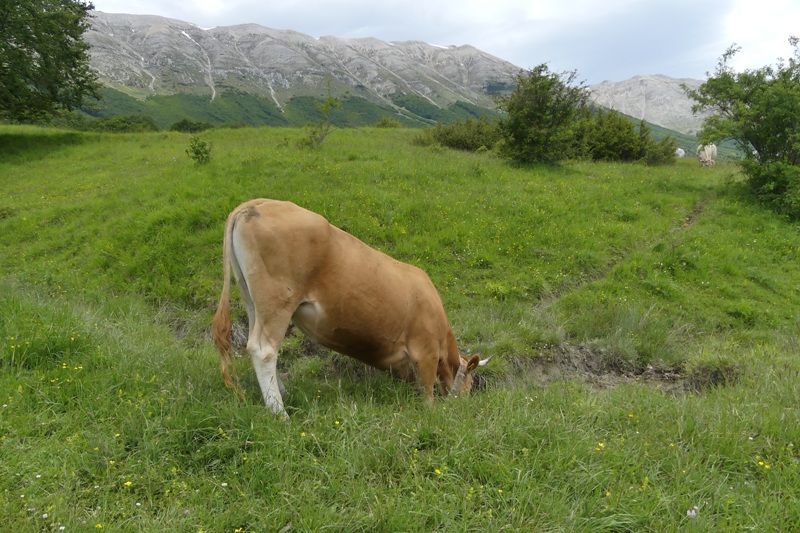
602	370
695	214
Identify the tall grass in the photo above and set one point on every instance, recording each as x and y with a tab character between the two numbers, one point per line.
114	416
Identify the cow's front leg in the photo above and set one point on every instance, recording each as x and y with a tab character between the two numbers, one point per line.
426	376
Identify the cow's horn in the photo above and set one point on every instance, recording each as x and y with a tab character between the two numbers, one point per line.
483	362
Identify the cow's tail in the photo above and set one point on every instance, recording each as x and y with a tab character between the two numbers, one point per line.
221	325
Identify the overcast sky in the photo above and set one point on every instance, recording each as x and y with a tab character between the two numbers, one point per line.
601	39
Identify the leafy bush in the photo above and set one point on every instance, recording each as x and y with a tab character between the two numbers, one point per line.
199	151
777	183
136	123
659	152
606	135
652	152
388	123
190	126
470	135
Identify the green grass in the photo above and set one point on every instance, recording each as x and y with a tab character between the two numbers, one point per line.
114	414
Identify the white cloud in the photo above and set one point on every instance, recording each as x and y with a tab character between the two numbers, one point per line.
763	33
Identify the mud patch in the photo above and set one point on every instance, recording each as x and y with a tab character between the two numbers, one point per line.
600	369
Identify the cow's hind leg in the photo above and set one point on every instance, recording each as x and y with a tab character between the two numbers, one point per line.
271	338
266	325
263	346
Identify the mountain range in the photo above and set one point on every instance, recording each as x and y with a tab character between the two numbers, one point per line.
174	69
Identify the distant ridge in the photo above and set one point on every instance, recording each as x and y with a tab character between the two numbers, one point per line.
256	75
145	56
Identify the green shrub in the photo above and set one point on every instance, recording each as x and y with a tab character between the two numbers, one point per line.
199	151
777	183
660	152
131	123
135	123
471	135
190	126
606	135
388	123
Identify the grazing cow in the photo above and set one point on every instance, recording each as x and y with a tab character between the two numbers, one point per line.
680	152
707	154
293	266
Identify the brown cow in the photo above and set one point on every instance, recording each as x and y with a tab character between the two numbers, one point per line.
294	266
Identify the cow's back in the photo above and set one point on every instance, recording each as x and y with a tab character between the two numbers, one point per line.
289	241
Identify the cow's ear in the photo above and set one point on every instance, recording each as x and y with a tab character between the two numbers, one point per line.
472	364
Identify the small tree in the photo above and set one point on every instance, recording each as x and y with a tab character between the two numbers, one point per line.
759	110
319	131
44	61
199	151
541	115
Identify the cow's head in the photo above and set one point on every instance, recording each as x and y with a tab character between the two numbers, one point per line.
462	383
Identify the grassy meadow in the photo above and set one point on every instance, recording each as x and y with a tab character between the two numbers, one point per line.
644	323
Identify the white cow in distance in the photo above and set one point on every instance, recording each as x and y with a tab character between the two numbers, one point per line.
680	152
707	154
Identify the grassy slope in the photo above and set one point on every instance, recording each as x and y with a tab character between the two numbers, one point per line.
232	107
113	412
